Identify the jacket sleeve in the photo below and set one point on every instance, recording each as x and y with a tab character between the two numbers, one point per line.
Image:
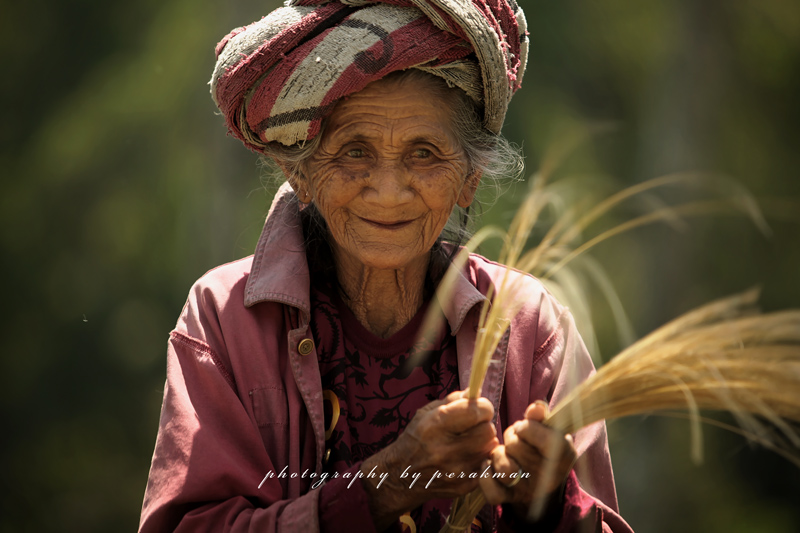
561	362
209	459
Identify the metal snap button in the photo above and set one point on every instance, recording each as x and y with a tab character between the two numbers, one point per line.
305	347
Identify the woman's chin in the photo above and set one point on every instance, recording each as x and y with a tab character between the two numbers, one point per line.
388	257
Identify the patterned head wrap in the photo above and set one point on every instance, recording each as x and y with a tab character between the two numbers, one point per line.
277	79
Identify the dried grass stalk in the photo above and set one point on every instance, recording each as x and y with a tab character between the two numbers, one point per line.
722	356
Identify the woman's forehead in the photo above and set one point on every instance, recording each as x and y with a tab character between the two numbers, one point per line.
409	109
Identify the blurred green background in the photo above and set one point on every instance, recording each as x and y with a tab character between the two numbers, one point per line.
120	188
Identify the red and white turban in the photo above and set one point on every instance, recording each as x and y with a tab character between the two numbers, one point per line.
277	79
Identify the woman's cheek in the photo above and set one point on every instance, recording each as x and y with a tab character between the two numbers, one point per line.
320	180
339	226
339	185
440	189
327	190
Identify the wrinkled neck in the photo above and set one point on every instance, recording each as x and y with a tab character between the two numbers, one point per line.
382	300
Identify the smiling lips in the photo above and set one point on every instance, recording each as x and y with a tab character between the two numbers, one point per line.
388	225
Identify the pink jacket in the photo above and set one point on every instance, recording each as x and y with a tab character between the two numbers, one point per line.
240	400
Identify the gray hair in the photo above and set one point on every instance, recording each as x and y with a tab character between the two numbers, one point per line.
490	154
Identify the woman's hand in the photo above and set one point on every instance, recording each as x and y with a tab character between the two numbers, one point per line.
535	449
445	437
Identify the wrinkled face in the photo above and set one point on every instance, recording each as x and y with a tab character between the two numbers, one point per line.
388	173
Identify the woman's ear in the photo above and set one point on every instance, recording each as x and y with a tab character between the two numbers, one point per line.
469	188
296	180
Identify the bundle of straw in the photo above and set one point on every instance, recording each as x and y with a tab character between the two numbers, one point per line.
722	356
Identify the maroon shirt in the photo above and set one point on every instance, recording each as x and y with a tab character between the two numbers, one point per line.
379	385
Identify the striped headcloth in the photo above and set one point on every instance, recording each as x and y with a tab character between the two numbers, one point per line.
276	79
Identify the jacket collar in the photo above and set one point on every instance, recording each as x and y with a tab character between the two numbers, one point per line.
280	270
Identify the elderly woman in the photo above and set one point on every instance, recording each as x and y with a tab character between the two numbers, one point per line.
299	396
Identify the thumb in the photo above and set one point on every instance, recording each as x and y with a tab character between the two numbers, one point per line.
537	411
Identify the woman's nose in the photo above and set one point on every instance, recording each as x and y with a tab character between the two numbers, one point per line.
389	185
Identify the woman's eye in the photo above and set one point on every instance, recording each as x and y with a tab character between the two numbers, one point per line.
355	153
422	153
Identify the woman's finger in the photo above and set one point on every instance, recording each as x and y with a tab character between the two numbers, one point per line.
459	415
527	455
545	453
504	465
545	441
484	432
473	444
537	411
455	395
493	491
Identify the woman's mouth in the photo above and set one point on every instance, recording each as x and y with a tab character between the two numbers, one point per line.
387	224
